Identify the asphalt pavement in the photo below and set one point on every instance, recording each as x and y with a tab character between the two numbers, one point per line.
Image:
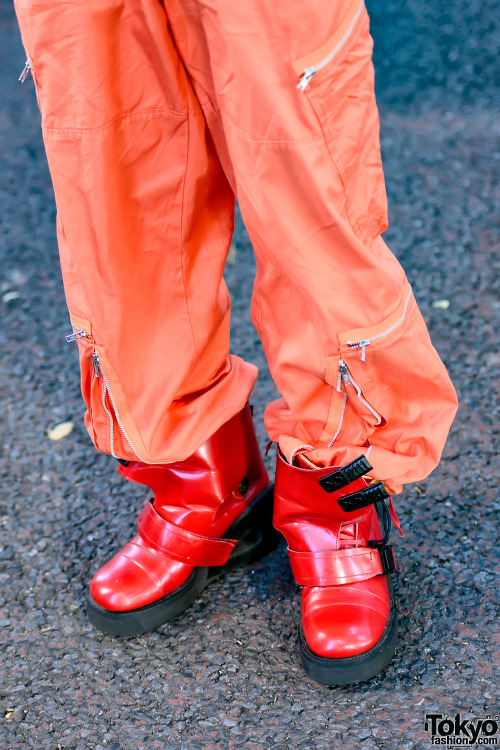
226	673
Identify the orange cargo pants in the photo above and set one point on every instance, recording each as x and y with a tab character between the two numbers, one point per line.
155	115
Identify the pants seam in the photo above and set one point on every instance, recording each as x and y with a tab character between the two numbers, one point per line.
124	116
182	239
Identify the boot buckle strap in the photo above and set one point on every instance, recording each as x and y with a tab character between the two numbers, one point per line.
180	544
337	567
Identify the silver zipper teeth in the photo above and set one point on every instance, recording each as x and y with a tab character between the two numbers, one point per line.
296	450
111	424
363	344
369	451
309	72
116	413
347	378
363	401
98	371
79	333
340	422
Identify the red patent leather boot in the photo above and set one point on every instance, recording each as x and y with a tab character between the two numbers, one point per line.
210	513
328	517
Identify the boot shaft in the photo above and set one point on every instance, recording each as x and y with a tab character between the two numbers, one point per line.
225	473
309	516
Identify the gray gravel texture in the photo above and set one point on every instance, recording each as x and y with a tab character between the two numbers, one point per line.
226	673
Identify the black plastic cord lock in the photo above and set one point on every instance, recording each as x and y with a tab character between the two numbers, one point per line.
345	475
387	559
374	493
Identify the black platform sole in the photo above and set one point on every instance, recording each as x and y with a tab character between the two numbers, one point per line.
351	669
256	538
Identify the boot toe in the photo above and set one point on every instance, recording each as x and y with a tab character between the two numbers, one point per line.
135	577
343	621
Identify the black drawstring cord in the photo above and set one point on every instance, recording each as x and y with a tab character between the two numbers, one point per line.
387	523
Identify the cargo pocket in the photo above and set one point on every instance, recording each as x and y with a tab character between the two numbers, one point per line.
367	363
107	418
338	80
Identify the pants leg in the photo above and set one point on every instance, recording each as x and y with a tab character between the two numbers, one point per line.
145	218
347	346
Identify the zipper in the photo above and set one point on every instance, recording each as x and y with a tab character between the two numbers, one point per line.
366	342
99	371
346	378
25	72
309	72
299	448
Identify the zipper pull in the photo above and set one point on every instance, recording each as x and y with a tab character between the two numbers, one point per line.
306	77
26	71
359	345
343	373
95	362
79	334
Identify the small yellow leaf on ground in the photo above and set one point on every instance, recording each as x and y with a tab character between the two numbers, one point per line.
441	304
60	431
9	296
